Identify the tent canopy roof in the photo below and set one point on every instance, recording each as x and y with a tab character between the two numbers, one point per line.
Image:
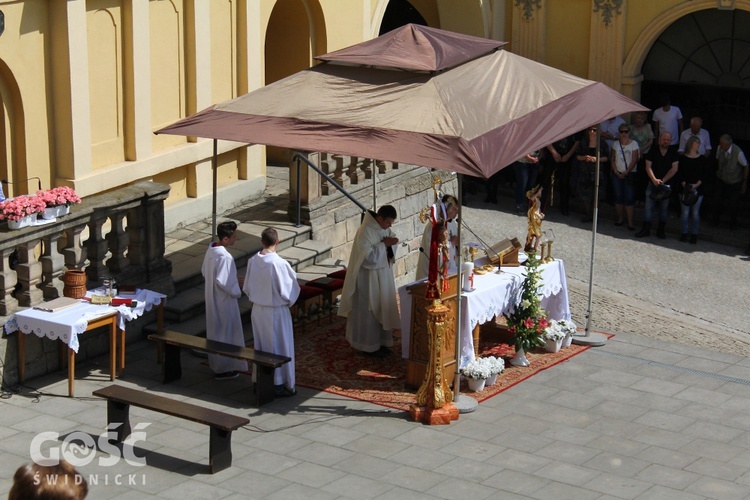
415	48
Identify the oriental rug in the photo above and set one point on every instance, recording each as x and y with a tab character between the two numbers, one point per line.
326	362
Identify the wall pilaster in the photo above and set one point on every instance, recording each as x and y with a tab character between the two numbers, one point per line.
528	38
607	42
137	78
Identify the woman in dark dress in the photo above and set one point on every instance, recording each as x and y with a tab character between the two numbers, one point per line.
693	171
586	156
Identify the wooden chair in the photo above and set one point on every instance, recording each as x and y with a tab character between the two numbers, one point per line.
331	289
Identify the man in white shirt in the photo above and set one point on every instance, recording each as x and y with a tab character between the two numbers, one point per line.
668	118
731	179
695	130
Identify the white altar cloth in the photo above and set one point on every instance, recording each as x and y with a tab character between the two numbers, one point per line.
493	295
68	323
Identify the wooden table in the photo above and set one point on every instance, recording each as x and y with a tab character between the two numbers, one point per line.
109	318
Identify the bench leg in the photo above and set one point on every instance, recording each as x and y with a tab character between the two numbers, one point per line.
119	413
171	368
220	450
263	390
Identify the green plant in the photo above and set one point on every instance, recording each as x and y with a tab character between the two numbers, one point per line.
528	320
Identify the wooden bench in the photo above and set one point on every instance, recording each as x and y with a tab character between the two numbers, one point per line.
265	362
222	424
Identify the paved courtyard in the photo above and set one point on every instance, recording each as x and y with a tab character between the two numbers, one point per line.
661	411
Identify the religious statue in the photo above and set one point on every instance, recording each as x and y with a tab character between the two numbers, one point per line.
437	240
535	216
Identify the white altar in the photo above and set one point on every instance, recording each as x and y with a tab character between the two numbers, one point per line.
494	294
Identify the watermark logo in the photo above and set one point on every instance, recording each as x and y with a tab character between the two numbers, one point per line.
79	448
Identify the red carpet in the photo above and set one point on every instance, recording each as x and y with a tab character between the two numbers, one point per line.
326	362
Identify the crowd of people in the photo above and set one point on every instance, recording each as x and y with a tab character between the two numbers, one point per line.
658	165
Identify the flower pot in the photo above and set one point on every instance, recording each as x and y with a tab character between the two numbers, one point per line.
62	210
520	359
491	379
567	341
75	283
476	385
22	222
552	345
49	213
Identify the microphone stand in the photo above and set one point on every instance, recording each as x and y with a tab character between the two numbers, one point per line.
487	248
8	183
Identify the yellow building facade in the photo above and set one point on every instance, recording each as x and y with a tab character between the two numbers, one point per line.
85	83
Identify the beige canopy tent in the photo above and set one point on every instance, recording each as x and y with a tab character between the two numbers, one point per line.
420	96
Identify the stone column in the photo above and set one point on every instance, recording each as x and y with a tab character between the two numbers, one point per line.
74	252
117	240
8	280
52	266
96	247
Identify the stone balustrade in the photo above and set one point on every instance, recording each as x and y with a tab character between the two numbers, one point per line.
33	259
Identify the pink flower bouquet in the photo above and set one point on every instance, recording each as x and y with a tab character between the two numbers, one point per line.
62	195
21	206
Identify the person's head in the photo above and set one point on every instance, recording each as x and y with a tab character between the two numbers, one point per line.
664	100
269	237
639	118
692	145
451	206
665	139
695	124
725	142
386	215
226	232
591	131
53	482
624	131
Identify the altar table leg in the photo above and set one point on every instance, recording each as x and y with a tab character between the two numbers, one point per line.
475	337
21	356
71	371
120	351
113	349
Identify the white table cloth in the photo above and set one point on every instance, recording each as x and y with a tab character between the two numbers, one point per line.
494	295
68	323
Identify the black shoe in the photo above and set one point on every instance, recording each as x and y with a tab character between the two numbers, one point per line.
375	354
645	231
684	237
660	231
385	351
618	224
631	228
693	239
227	375
285	392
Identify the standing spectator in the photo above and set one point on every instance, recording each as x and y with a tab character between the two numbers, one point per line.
587	161
526	170
222	289
624	162
668	118
368	299
271	284
643	134
693	172
695	130
731	173
557	171
661	166
610	129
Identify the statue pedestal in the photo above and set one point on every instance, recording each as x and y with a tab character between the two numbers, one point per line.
434	416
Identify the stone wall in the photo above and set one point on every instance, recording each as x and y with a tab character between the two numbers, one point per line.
335	219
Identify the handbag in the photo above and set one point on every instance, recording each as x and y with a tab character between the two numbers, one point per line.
661	192
689	196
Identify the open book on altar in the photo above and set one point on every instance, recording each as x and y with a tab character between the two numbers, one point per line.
505	252
57	304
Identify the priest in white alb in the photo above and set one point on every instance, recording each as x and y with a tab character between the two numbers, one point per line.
368	299
222	289
271	284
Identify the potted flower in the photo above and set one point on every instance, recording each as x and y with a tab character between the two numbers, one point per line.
570	329
21	211
476	373
528	320
496	366
58	201
553	336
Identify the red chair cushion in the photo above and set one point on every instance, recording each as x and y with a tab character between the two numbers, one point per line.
340	274
327	284
308	292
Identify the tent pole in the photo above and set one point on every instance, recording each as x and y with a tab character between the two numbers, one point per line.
374	186
214	162
465	404
588	338
299	198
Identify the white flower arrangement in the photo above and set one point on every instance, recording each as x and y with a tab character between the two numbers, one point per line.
554	331
476	370
568	327
482	368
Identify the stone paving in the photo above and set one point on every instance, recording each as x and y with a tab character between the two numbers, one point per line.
661	411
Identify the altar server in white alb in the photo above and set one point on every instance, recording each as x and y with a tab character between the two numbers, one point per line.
271	284
223	321
368	299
